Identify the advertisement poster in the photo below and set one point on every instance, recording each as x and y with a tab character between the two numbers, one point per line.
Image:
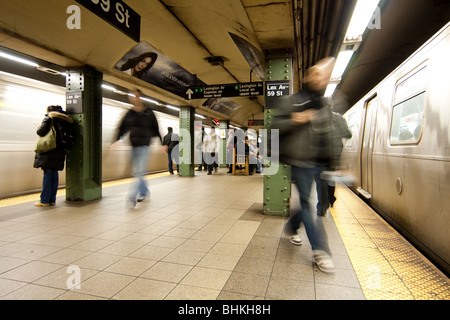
150	65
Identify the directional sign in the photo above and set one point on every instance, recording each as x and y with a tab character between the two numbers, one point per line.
249	89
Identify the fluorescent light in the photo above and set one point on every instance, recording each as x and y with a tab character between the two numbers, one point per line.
105	86
173	108
17	59
330	90
361	18
341	64
150	100
200	116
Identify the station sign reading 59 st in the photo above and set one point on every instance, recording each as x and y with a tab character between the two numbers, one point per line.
275	90
117	13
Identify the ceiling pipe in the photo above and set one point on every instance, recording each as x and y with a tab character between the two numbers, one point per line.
334	25
320	29
312	32
296	12
305	10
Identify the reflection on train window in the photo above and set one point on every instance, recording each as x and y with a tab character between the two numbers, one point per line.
409	104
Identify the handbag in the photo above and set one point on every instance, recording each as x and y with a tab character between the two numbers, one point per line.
47	142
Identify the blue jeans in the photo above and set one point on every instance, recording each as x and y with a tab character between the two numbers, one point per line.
139	162
49	186
173	155
315	230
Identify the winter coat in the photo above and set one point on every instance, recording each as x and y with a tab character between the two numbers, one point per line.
309	144
170	140
210	143
53	159
142	126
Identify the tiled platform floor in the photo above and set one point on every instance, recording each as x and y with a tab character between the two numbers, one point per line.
196	238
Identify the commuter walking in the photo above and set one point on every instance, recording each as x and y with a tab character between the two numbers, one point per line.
304	121
141	122
53	160
170	143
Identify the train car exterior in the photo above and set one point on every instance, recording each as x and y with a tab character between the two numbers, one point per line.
400	149
23	104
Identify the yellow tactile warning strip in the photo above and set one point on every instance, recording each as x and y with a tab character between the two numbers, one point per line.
61	192
387	267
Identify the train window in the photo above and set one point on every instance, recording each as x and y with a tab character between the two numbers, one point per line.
408	111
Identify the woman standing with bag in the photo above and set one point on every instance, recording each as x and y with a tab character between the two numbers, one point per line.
52	161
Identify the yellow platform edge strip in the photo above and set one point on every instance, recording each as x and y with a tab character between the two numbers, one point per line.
387	267
7	202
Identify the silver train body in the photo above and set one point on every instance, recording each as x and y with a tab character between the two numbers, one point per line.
400	149
23	104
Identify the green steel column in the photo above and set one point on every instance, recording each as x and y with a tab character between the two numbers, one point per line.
187	166
223	136
277	187
84	160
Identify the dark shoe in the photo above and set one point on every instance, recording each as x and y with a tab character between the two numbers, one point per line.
209	173
140	198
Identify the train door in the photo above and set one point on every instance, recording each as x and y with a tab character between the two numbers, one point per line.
367	147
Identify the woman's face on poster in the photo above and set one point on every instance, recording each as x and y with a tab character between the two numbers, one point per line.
141	65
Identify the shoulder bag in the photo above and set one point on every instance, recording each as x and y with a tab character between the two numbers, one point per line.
47	142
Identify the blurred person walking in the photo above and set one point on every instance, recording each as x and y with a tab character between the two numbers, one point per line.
141	122
304	121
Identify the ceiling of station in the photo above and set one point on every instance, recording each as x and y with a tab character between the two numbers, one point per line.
217	42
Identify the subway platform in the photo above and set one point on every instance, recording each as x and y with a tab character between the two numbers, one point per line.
201	238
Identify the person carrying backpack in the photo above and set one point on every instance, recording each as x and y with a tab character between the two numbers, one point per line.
53	161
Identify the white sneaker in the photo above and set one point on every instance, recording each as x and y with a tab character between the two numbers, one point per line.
296	240
323	261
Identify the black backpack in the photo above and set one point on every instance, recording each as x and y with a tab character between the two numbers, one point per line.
67	134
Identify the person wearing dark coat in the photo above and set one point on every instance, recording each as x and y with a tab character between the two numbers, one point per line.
304	122
142	125
170	142
52	161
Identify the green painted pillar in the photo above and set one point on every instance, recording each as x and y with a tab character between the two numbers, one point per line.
187	166
277	183
84	160
223	136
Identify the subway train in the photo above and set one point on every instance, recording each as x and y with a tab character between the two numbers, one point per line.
400	149
23	104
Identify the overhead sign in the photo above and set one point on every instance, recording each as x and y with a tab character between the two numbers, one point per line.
117	13
276	90
249	89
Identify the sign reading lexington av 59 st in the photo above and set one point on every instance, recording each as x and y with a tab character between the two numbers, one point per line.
249	89
117	13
